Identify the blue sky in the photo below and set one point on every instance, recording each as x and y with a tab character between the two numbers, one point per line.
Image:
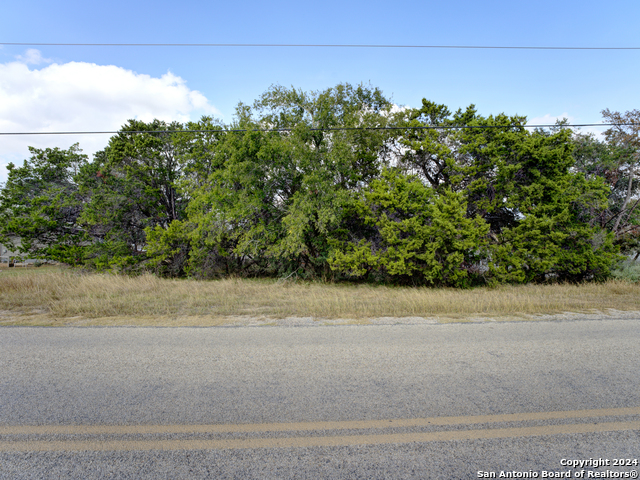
93	88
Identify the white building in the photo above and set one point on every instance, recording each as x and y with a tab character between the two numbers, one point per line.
6	255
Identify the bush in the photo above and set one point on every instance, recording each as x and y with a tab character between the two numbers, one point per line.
628	270
420	236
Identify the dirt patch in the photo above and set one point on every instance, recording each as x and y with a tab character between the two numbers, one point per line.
38	318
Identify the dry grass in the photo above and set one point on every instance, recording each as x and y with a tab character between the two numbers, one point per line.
53	296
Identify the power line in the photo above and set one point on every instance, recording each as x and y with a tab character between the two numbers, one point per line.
309	45
241	130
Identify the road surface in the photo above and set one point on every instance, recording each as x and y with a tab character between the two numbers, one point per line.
384	401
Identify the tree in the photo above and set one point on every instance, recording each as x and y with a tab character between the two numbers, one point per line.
334	161
314	183
169	248
523	184
615	162
549	236
431	147
439	147
131	186
624	137
420	235
280	194
234	218
40	204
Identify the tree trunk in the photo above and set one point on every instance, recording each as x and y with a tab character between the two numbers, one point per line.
626	200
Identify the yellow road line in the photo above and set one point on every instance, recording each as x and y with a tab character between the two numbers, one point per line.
332	441
307	426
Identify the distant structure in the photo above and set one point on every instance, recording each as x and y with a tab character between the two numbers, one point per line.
9	256
4	254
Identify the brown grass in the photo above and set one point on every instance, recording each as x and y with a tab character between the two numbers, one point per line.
54	296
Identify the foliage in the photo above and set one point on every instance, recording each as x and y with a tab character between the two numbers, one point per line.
431	145
419	236
316	184
548	236
272	207
624	138
168	248
523	185
40	204
131	186
627	270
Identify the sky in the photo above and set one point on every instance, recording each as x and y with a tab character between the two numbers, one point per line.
93	88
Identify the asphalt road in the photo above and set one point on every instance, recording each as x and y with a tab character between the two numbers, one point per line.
387	401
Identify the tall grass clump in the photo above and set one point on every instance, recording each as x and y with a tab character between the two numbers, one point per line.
64	294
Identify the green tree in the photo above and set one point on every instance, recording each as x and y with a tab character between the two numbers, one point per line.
431	145
131	186
420	235
524	184
170	247
549	238
40	204
281	193
235	217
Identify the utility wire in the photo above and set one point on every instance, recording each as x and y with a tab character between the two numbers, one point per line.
240	130
308	45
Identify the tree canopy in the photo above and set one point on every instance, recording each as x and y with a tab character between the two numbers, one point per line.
337	184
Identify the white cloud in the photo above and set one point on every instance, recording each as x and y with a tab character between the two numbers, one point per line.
79	96
33	57
551	120
398	108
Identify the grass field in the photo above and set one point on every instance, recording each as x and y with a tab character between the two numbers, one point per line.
57	296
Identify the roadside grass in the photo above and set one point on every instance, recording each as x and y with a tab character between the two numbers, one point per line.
56	296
